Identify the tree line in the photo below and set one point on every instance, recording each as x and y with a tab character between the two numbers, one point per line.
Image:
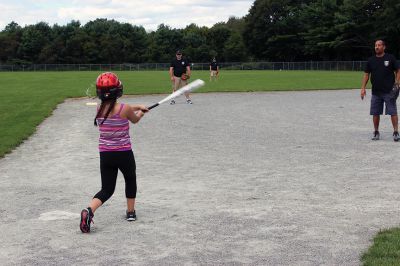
273	30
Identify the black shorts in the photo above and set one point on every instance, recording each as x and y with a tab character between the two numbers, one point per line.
377	104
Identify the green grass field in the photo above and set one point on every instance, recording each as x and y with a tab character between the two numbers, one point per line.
29	97
386	249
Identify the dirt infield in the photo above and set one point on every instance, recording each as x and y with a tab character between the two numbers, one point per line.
287	178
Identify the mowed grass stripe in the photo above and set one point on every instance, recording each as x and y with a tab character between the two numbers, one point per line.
385	250
27	98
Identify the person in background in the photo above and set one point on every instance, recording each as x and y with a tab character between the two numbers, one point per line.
214	69
179	73
384	72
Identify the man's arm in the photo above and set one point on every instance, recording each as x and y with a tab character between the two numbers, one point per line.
171	73
363	85
188	70
398	76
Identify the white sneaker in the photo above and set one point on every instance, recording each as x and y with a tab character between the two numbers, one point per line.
131	216
376	135
188	101
396	136
172	102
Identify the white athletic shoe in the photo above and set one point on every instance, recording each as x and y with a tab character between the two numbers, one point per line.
131	216
396	136
375	136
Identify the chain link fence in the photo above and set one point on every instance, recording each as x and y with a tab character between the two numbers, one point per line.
310	65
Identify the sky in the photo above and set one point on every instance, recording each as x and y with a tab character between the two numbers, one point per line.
149	14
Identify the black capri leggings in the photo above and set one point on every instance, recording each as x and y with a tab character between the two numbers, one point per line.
110	162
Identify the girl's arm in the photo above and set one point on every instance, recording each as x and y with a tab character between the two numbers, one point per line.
137	107
135	112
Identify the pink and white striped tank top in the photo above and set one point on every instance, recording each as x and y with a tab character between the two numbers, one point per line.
114	133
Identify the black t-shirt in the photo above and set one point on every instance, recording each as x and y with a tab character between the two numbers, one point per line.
382	73
214	66
179	66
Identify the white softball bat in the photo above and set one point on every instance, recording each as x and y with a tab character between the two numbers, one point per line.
188	88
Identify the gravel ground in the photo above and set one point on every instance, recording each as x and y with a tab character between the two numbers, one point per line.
280	178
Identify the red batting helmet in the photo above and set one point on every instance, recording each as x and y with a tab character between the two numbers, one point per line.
108	86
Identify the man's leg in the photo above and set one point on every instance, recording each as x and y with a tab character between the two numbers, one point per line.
376	119
391	109
376	110
175	86
184	83
395	123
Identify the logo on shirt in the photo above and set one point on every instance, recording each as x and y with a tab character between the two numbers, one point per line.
386	63
183	62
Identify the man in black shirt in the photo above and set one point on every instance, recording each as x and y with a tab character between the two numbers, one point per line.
178	67
382	68
214	69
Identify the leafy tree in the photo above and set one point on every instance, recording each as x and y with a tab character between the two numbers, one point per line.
236	24
272	30
10	40
218	35
319	32
234	49
356	24
275	30
135	43
195	44
33	40
388	25
164	42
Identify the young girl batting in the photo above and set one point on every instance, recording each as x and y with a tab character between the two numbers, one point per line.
113	118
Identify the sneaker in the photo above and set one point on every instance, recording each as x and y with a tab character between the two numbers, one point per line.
376	135
86	220
188	101
396	136
131	216
172	102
